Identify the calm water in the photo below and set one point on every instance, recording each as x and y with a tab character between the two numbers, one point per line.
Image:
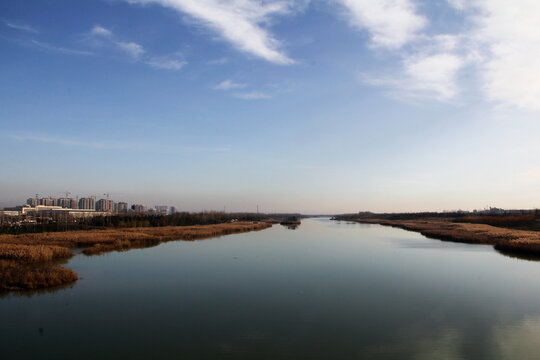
324	291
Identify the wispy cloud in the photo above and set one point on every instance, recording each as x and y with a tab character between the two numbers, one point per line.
391	23
131	48
103	37
252	95
20	26
240	22
147	147
59	49
174	62
229	85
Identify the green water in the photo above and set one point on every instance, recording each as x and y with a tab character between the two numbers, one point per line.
327	290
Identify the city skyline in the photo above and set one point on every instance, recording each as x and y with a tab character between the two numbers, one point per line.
292	105
93	202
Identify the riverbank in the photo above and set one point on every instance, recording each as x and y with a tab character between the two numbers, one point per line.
32	261
503	239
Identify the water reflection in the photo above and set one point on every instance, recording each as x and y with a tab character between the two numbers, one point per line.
522	338
519	255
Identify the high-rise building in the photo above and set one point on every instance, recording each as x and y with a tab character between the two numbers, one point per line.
87	203
32	202
138	208
105	205
50	201
68	203
121	207
74	204
173	210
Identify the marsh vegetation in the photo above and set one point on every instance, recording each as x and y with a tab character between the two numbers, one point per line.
29	261
502	238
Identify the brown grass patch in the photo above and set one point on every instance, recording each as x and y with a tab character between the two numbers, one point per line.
19	276
33	254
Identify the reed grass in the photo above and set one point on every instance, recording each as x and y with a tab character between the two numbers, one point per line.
23	276
33	254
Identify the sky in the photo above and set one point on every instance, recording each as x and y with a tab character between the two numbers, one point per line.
321	106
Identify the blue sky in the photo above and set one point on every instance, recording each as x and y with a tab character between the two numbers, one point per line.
314	106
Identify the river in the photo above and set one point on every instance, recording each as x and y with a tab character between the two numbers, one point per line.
327	290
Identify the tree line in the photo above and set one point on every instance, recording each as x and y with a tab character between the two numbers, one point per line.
66	223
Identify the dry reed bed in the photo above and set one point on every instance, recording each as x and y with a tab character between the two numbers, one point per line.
23	258
511	240
124	239
21	276
33	254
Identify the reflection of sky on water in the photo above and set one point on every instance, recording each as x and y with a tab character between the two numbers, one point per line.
326	290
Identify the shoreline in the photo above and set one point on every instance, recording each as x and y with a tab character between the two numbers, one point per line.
502	239
32	261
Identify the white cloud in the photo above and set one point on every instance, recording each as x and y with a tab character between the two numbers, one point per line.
427	76
509	37
131	48
101	31
391	23
430	70
433	75
19	26
458	4
239	22
175	62
499	40
253	95
102	37
429	65
229	85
